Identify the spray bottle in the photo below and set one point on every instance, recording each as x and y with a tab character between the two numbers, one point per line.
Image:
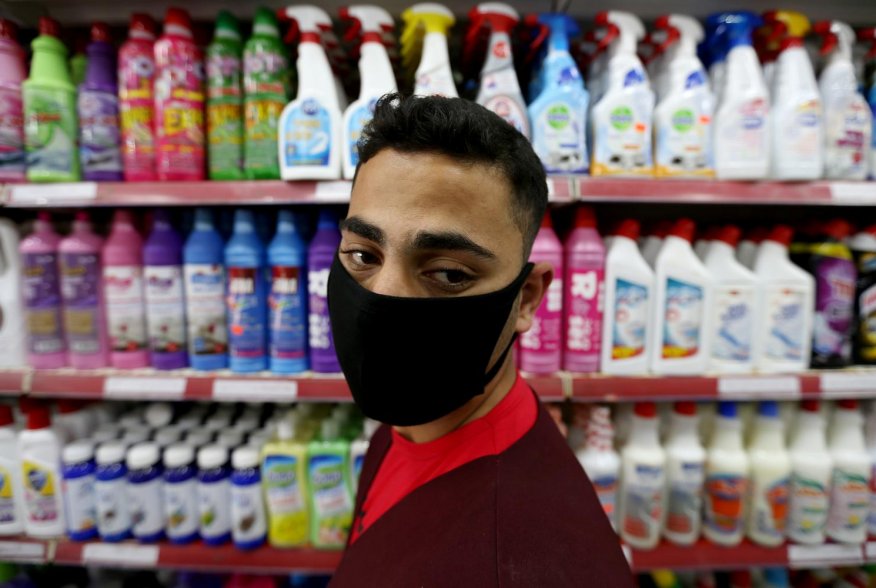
541	345
225	101
425	38
12	74
583	298
247	313
136	100
287	298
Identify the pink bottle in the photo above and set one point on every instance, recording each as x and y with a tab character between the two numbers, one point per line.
12	73
583	297
541	345
137	101
179	100
123	293
82	293
42	295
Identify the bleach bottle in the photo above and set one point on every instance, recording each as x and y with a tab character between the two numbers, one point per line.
811	472
136	99
12	328
246	296
12	66
225	101
850	495
11	488
600	461
287	298
204	276
770	478
39	451
869	35
541	346
727	479
426	28
320	256
685	464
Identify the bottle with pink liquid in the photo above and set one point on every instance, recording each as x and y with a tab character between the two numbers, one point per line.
137	101
42	295
179	100
541	345
583	298
82	295
12	73
123	292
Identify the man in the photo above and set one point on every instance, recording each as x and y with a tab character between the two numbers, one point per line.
471	484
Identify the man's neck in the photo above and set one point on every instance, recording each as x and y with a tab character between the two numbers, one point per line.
477	407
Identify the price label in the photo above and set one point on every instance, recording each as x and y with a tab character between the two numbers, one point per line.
22	551
123	388
827	555
850	384
120	555
32	194
853	192
774	387
255	390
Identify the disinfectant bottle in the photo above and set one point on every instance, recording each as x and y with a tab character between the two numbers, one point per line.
309	145
863	247
39	452
850	496
165	297
685	465
246	296
868	35
746	251
426	28
225	100
683	299
123	292
727	479
98	107
83	296
583	298
653	241
179	100
266	92
848	122
284	475
137	101
541	346
12	328
204	275
601	462
811	472
249	526
11	488
49	97
770	478
12	66
870	439
287	298
328	482
320	256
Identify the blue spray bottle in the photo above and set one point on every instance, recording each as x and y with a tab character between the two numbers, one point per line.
246	296
287	298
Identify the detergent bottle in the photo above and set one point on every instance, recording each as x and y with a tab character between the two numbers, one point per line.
683	115
12	66
541	346
98	107
137	100
727	479
320	256
49	97
685	464
287	298
811	471
246	296
376	75
870	439
600	460
331	499
425	33
39	452
770	478
284	475
849	496
309	145
12	328
863	247
11	488
868	35
621	121
225	101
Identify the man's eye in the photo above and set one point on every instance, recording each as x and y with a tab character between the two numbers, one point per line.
359	258
451	277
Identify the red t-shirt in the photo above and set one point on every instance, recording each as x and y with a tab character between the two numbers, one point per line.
408	465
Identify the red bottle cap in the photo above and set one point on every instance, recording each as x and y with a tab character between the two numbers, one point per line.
68	405
546	221
26	404
848	403
728	234
8	30
6	418
585	217
757	235
660	229
178	17
38	418
142	22
646	410
49	26
628	228
837	229
781	234
686	407
810	405
100	32
81	216
683	228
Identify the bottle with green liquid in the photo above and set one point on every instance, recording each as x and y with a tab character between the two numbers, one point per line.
285	487
328	479
225	101
266	91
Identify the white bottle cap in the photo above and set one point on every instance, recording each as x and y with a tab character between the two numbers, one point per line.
217	422
212	456
179	455
137	434
189	421
330	430
167	435
246	423
159	414
130	420
110	453
245	457
257	439
285	430
78	452
198	437
143	455
103	435
230	439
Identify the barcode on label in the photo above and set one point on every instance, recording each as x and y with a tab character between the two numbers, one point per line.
840	384
254	390
753	387
144	388
828	555
52	193
120	555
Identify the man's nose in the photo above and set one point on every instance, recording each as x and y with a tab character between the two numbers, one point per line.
394	279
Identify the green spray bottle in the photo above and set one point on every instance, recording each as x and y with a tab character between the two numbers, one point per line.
50	123
331	495
225	101
266	90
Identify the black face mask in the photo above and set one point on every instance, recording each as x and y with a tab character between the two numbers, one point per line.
410	361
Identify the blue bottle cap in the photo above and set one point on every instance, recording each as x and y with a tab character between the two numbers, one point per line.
727	409
768	408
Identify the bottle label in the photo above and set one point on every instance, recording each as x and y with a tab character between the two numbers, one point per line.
42	299
288	313
50	130
770	508
319	325
245	314
224	111
685	499
11	133
358	462
834	306
622	143
40	493
357	121
506	106
247	512
682	319
735	309
643	502
866	334
181	508
80	511
80	281
630	319
800	134
742	140
165	308
683	142
266	82
99	145
8	513
214	507
606	490
584	299
205	309
785	323
849	502
809	503
179	110
545	334
332	503
285	499
559	133
725	495
136	104
144	502
307	135
113	518
847	134
123	286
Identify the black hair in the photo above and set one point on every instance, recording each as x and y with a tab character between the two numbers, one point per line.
467	132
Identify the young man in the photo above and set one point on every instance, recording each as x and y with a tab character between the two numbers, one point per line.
471	484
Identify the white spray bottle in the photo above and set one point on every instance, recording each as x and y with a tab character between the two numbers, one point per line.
433	75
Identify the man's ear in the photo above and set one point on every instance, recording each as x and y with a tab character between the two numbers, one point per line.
534	290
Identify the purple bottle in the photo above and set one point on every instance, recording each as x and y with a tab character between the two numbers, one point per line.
98	108
320	257
165	300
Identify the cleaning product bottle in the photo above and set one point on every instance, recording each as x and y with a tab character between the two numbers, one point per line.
98	107
113	515
83	296
123	291
49	98
181	507
850	495
165	299
287	298
12	159
783	334
42	294
770	478
600	461
249	526
727	479
39	452
685	467
145	492
811	471
73	421
225	101
266	91
863	247
541	346
214	495
653	241
320	256
358	449
746	251
79	60
848	122
328	479
376	75
309	145
621	121
284	475
12	513
204	273
247	315
137	101
868	35
683	298
583	298
558	115
179	101
683	115
426	29
735	307
78	489
870	438
742	122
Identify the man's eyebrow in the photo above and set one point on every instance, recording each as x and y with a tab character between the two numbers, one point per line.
450	241
364	229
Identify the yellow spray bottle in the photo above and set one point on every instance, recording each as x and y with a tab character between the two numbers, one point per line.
432	21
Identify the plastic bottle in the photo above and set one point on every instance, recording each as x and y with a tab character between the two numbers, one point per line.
653	241
181	493
12	513
113	514
225	101
358	450
284	476
746	251
541	346
863	247
204	272
320	256
811	471
309	145
727	479
137	100
247	312
179	101
40	454
287	298
330	496
73	421
12	327
684	295
870	440
12	66
144	491
82	293
643	481
685	467
165	299
770	478
79	500
248	522
214	495
849	496
98	109
601	462
429	23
